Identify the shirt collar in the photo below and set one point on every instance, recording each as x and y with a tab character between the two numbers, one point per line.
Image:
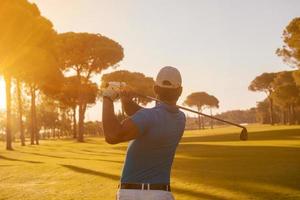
169	108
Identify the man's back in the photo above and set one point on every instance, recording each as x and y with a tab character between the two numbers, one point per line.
154	134
150	155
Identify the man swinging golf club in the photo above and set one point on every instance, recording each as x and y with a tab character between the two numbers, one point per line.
154	134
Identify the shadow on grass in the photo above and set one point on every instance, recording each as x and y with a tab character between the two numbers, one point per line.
91	172
87	153
19	160
97	153
115	153
74	158
104	152
112	161
46	155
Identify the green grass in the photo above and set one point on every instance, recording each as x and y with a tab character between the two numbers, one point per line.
209	164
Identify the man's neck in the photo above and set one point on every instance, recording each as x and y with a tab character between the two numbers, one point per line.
172	103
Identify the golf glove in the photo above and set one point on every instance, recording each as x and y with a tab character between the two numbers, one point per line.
112	90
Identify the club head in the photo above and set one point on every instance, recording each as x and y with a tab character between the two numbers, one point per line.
244	134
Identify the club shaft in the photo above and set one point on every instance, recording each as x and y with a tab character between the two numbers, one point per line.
193	111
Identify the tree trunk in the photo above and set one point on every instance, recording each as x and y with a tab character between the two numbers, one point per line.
211	120
284	117
289	115
199	122
271	111
81	113
20	108
74	123
7	79
82	108
33	125
202	122
199	119
58	133
293	117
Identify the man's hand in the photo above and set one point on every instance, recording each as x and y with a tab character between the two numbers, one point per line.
126	95
112	90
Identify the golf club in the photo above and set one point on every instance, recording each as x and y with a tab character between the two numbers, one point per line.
243	135
118	85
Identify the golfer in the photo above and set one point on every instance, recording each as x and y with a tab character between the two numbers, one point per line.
154	134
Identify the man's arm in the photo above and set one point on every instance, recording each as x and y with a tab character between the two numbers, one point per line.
129	106
114	131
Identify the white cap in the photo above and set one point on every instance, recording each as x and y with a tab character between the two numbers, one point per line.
168	77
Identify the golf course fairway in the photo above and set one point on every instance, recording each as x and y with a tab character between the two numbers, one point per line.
209	164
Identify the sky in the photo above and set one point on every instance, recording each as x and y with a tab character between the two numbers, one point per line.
218	45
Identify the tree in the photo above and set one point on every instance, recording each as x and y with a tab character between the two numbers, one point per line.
2	124
138	82
87	54
20	109
93	128
76	90
48	115
290	51
8	114
22	27
263	83
41	74
65	121
213	102
198	100
263	111
286	94
69	97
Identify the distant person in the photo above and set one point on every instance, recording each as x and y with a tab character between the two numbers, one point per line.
154	134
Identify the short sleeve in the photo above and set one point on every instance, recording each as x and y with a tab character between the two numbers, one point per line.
142	119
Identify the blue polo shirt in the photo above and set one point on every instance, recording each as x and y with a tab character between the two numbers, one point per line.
150	156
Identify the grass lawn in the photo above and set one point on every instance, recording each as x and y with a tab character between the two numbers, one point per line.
209	164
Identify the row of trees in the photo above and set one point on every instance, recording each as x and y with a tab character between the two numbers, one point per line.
247	116
36	60
51	124
57	118
282	104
